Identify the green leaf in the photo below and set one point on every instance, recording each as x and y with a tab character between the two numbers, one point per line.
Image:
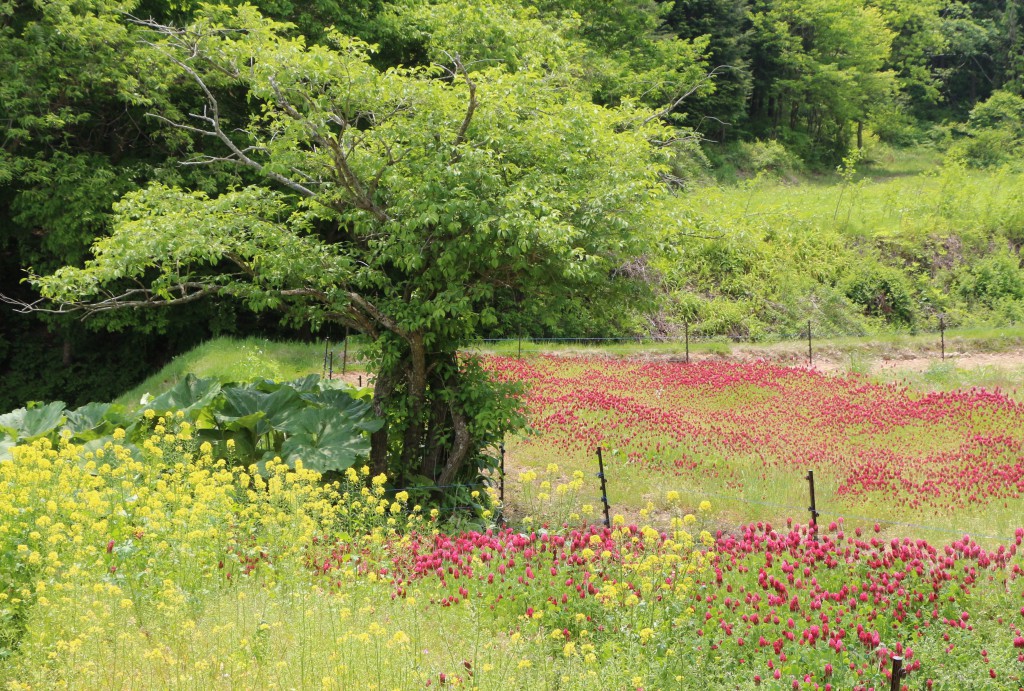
272	406
325	440
311	382
188	395
28	424
5	449
352	408
90	417
244	442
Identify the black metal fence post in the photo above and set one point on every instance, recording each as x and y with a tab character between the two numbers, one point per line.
344	353
327	346
686	335
810	350
814	507
330	367
897	673
520	346
501	487
942	336
501	478
604	488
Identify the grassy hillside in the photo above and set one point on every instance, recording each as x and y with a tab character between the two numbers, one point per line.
231	359
864	254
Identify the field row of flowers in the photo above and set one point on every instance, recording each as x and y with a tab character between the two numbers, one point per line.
182	570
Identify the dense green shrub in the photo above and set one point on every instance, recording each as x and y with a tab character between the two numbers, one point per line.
994	132
992	280
882	291
892	124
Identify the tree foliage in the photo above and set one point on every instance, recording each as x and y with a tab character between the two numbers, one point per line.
401	203
776	79
824	62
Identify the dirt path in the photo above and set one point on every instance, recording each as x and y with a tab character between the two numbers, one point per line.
910	362
834	361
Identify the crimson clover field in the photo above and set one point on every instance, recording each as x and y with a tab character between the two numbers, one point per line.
746	435
892	467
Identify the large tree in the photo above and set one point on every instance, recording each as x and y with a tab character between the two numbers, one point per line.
402	203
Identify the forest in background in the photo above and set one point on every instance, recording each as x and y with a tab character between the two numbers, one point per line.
842	161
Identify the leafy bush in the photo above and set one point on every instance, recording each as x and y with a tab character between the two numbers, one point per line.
1002	110
882	291
892	124
992	280
993	132
768	157
986	148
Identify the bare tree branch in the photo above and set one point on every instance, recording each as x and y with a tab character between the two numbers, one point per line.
239	155
136	298
460	137
371	310
689	92
349	179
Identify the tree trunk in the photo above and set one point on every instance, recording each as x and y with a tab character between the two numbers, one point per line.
860	135
436	433
383	388
417	392
460	448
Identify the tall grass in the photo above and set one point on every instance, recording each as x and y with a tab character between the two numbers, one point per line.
230	359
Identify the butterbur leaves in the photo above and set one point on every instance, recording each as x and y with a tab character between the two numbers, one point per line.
321	422
87	418
26	424
250	407
94	420
309	383
188	395
317	421
91	425
352	408
325	439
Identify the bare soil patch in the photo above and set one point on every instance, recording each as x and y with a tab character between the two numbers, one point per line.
833	360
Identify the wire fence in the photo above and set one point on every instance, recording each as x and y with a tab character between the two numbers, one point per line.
815	513
935	338
497	482
959	532
788	511
535	345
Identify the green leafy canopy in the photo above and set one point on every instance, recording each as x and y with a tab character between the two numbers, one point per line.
405	203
